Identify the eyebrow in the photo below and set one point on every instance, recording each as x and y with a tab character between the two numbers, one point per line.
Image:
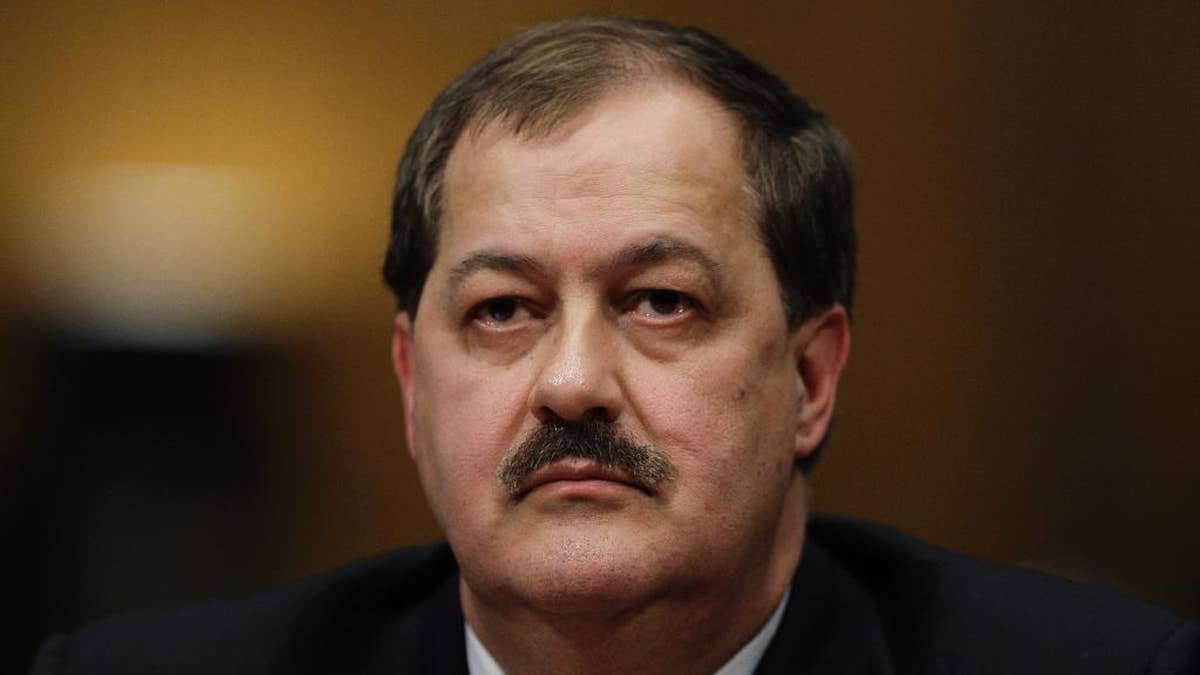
657	250
660	249
499	261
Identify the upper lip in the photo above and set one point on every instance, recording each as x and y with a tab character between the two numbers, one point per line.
577	470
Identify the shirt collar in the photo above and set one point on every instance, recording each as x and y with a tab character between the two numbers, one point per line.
480	661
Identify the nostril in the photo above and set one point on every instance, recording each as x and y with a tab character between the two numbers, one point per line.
546	415
597	414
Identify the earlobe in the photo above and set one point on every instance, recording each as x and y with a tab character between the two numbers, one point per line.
402	366
822	348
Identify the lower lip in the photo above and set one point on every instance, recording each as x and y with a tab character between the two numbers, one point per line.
591	488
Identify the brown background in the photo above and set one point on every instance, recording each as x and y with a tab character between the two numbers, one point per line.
1025	370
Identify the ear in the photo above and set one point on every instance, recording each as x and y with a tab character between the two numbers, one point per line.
821	348
402	366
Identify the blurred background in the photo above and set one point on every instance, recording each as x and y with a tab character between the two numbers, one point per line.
195	393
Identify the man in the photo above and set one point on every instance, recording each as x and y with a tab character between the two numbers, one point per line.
624	260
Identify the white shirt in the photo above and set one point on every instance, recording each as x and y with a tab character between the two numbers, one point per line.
480	661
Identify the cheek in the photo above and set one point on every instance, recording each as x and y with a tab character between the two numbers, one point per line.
464	422
724	417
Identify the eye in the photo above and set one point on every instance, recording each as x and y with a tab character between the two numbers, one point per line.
662	304
499	312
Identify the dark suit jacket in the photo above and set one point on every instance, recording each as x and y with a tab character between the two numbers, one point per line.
864	600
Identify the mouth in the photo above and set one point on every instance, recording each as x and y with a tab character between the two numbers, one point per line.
578	475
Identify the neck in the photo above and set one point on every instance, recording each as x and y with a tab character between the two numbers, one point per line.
683	632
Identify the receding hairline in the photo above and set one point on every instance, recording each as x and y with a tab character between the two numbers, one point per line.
616	61
531	124
505	126
749	208
566	121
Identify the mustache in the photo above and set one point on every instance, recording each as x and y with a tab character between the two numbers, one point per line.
592	439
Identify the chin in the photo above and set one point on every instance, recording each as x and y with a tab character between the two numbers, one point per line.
571	571
587	581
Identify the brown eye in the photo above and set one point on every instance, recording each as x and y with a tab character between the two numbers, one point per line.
499	309
665	302
661	303
500	313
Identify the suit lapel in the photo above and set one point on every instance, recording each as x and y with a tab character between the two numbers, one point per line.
831	625
428	640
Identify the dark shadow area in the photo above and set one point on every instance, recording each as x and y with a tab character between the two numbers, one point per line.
142	481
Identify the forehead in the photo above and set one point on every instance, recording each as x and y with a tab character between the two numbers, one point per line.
659	155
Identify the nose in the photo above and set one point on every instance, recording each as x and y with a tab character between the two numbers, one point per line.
577	379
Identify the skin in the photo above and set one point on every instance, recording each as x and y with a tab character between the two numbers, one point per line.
612	268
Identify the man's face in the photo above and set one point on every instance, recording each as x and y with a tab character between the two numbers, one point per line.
608	271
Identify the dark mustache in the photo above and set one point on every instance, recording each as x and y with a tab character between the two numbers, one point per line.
592	439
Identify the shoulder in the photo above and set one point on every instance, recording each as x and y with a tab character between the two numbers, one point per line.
325	619
945	612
